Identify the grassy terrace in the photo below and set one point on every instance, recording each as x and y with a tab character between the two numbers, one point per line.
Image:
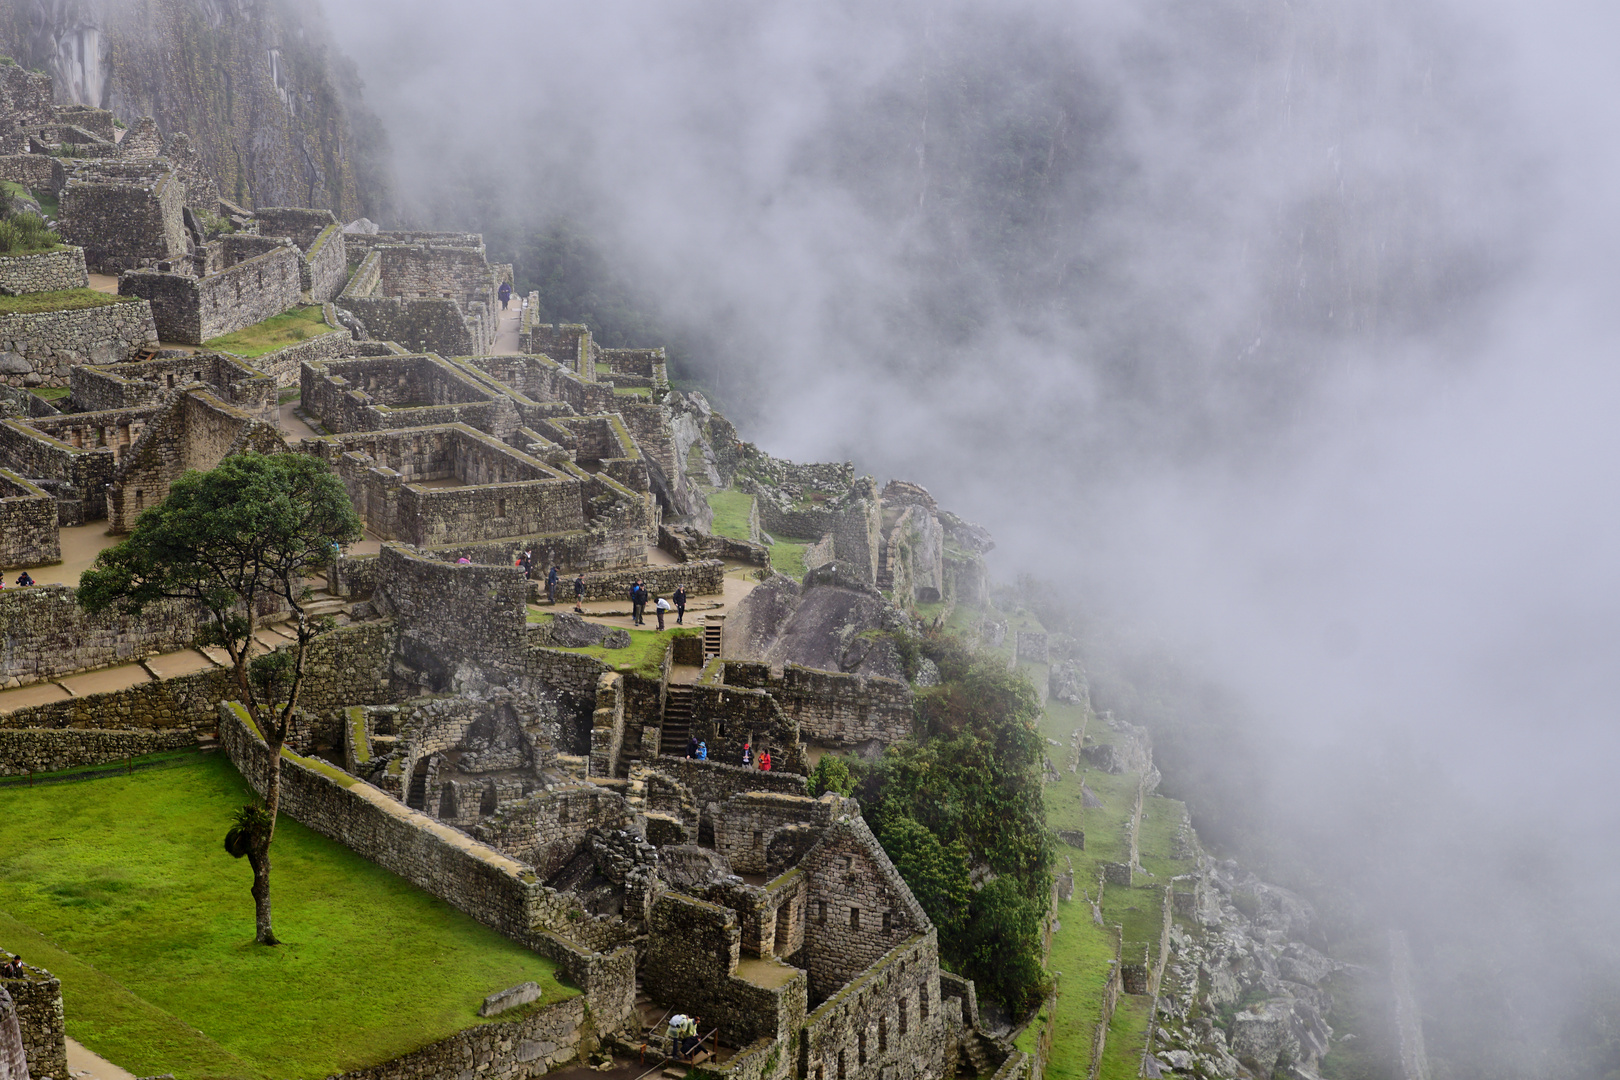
732	509
277	332
1081	950
645	654
122	888
60	300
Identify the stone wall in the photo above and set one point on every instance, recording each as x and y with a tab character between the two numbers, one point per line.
326	265
194	430
36	172
193	310
124	214
379	393
302	226
706	578
515	1050
38	1001
547	829
729	717
28	528
47	634
845	710
47	271
746	824
77	476
693	950
26	100
40	349
454	615
98	388
543	379
886	1023
714	783
31	750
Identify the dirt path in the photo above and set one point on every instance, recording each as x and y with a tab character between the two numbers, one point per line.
80	546
291	426
105	283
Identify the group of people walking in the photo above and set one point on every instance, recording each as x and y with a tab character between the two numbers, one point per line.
640	596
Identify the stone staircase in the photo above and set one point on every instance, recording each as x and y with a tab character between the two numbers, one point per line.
416	797
677	719
713	627
885	572
973	1046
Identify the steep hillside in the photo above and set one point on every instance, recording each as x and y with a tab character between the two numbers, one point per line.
271	107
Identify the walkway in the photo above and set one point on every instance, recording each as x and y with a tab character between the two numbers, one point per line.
739	582
80	546
506	336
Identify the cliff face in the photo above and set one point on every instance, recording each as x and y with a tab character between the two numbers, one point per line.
271	107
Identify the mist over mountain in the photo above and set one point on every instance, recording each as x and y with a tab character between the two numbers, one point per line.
1276	338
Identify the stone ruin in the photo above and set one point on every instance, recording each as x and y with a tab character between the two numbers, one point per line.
483	757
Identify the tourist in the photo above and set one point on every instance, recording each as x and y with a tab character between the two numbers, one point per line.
553	579
680	604
638	603
662	605
528	563
748	754
765	760
703	751
579	594
691	746
505	294
464	561
13	969
24	580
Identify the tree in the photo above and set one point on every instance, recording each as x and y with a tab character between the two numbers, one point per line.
233	541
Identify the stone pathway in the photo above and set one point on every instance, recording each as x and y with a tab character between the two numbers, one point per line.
84	1065
291	426
739	582
104	283
506	336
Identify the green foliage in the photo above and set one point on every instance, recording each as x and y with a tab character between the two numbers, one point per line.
126	880
936	873
25	234
969	786
832	774
59	300
1000	946
250	830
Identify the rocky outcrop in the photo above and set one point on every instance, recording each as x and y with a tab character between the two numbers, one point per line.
273	112
833	622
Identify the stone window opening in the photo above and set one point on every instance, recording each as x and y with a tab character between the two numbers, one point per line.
500	507
883	1035
905	1013
171	380
922	1003
840	1065
490	802
140	500
860	1049
854	918
821	913
888	921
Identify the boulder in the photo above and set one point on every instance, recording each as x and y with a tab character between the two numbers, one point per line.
1263	1036
569	631
12	364
510	998
618	638
362	227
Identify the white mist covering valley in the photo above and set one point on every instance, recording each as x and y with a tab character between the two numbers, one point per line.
1276	338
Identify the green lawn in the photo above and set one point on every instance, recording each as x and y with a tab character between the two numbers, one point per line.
122	888
288	328
51	393
787	556
60	300
1122	1053
732	509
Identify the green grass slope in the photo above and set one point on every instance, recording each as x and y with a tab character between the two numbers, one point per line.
122	887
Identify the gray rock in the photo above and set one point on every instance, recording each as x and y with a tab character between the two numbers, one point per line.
569	631
616	639
1263	1036
927	673
510	998
12	364
362	227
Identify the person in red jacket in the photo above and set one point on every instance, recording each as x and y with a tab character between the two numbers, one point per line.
764	761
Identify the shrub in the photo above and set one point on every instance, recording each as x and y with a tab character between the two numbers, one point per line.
25	234
831	774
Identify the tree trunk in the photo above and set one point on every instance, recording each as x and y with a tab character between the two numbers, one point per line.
264	933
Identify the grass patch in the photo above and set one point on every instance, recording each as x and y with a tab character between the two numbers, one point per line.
86	772
60	300
1127	1037
788	556
645	654
277	332
51	393
122	887
732	509
292	393
632	391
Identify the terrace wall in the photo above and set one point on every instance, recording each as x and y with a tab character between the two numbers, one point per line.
38	1001
193	310
28	524
41	349
47	271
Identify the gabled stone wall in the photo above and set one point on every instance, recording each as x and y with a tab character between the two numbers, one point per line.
124	214
886	1023
254	286
77	475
